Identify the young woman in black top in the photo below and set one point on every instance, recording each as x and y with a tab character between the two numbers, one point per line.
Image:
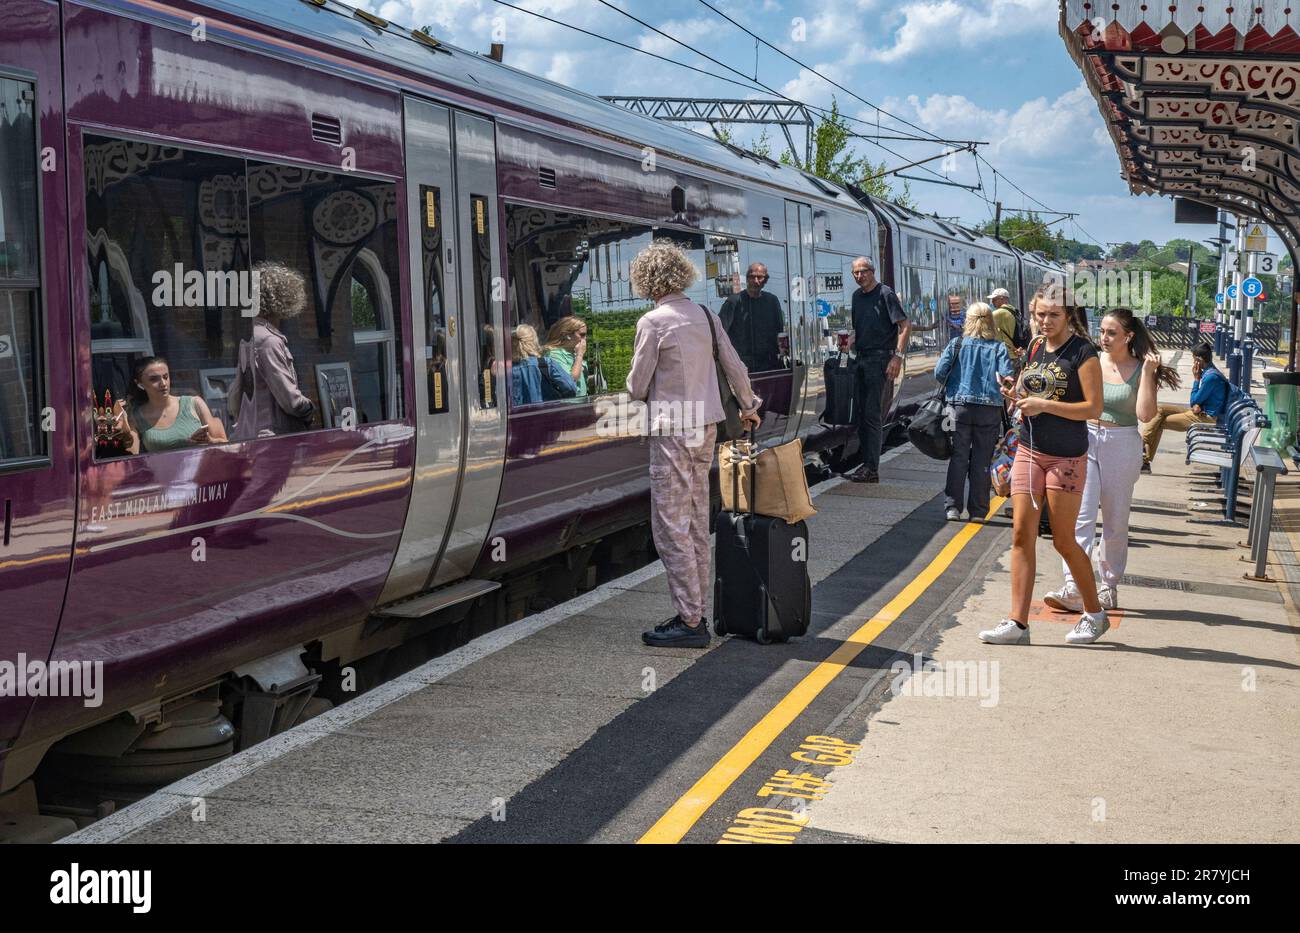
1058	391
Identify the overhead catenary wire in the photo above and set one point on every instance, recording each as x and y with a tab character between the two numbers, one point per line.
814	71
768	89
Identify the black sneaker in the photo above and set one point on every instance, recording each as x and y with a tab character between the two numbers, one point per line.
863	475
677	634
1146	465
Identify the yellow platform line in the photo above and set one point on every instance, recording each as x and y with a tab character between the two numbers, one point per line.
686	812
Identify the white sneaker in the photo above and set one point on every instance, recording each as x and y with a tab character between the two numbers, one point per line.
1088	630
1066	598
952	515
1006	633
1109	596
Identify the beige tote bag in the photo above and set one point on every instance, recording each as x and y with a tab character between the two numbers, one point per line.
776	476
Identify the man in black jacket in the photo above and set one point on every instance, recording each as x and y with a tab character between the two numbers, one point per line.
753	320
880	333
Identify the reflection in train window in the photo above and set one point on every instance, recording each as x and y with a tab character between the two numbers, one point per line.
570	265
22	329
165	228
755	314
340	233
171	237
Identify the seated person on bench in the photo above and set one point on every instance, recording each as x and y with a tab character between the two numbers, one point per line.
1209	396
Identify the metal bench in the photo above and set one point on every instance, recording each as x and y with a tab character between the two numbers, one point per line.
1268	467
1224	450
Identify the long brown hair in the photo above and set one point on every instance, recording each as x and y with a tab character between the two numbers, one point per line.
1140	344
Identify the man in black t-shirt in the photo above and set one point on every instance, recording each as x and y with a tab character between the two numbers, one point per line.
753	320
880	333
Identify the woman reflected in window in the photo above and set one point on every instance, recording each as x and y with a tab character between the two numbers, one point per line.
566	343
154	420
265	399
533	377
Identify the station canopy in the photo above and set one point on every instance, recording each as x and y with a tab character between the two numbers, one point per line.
1201	98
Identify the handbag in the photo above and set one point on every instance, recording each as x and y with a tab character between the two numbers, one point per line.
930	431
731	427
765	480
1004	455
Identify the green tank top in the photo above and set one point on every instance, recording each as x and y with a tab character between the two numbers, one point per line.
177	434
1120	400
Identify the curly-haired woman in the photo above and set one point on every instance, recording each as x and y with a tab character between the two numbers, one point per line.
673	371
265	399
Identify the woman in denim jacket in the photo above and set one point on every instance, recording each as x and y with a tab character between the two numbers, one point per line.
969	373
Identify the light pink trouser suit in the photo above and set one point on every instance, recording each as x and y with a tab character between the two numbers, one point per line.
673	371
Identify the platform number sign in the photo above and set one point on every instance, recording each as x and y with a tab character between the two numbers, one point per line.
1252	287
1266	264
1232	291
1218	298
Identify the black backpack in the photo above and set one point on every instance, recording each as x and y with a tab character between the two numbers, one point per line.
1023	334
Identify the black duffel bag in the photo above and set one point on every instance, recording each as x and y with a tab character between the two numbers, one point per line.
930	431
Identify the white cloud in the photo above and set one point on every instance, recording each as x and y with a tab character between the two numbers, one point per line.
564	68
1038	129
695	32
813	89
941	24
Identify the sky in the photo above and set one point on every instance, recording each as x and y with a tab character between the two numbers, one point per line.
995	71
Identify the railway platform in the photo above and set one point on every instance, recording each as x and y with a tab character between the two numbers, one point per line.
1178	726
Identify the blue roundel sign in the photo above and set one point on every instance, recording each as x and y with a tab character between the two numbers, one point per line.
1232	291
1252	287
1218	298
823	308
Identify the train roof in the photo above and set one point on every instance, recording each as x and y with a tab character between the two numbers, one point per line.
946	229
393	48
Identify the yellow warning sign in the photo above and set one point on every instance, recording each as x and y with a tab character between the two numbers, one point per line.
1256	240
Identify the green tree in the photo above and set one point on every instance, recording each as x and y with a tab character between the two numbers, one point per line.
834	160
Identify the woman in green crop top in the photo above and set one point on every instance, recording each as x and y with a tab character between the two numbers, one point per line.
1131	373
156	420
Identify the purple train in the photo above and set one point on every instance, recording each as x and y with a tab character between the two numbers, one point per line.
162	609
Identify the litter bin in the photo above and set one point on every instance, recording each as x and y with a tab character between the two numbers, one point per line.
1281	409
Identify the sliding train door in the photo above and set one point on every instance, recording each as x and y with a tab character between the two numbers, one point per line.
457	332
37	423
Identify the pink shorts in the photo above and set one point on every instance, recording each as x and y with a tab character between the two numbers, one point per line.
1033	473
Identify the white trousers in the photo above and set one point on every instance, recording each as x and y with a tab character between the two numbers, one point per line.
1114	462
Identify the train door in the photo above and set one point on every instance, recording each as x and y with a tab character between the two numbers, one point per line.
457	326
803	327
37	444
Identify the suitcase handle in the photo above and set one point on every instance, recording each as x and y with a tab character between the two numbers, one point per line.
752	457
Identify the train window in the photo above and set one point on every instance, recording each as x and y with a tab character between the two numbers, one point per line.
172	236
340	233
567	270
167	253
22	329
759	326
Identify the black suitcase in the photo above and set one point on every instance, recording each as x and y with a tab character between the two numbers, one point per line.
760	585
841	390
